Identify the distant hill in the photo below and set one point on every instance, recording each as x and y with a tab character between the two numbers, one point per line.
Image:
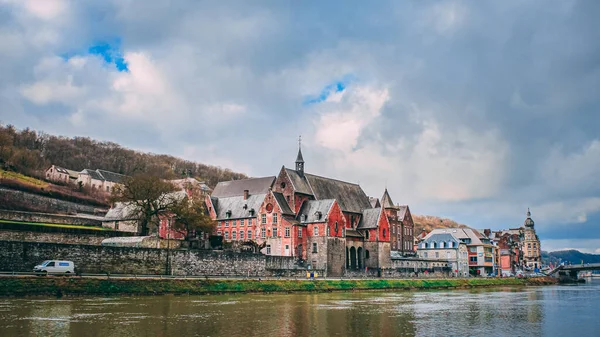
572	256
31	152
429	222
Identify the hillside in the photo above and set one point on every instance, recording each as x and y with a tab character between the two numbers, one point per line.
572	256
429	222
31	152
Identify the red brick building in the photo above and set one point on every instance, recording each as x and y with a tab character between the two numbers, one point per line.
327	223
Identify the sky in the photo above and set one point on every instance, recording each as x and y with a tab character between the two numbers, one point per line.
472	110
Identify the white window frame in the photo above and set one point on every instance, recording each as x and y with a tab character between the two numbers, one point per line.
275	218
316	231
263	219
288	231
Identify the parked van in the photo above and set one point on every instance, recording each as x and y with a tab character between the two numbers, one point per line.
55	267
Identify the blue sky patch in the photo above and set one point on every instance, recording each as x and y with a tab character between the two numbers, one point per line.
335	87
110	52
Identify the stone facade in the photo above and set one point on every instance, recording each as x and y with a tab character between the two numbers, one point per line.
51	218
68	238
23	256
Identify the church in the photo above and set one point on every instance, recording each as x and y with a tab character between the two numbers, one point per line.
327	224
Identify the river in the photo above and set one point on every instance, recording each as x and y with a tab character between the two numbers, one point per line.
510	311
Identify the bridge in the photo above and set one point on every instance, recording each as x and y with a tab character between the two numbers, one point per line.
568	273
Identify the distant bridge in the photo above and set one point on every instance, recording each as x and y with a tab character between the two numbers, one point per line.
569	272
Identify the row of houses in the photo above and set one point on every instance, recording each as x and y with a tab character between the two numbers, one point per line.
473	252
97	180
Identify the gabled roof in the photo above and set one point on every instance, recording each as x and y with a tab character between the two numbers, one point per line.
121	211
299	183
386	200
93	174
461	233
349	196
233	188
310	209
374	202
353	233
370	218
285	208
73	174
111	176
238	207
440	237
402	211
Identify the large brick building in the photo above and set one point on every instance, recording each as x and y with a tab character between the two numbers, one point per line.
327	223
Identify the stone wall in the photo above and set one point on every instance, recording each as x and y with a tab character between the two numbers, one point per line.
23	256
27	236
50	218
47	204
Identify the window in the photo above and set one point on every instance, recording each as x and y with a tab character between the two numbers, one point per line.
367	235
303	218
219	233
241	235
316	231
287	232
299	232
107	188
384	232
63	264
425	254
226	235
116	225
219	224
249	222
234	235
283	186
314	250
336	227
437	255
263	232
263	219
366	254
249	235
226	223
473	259
393	229
242	222
227	214
473	249
274	231
328	230
233	223
268	249
274	217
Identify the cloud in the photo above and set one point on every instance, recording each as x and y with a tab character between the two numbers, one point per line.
461	109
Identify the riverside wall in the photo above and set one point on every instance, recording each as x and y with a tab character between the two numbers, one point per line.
22	256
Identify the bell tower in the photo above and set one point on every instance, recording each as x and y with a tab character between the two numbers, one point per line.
299	159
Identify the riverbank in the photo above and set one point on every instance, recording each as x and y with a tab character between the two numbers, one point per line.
60	286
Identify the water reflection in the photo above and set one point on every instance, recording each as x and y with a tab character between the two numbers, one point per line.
492	312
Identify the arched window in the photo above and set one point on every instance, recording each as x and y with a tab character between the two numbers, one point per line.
384	232
336	227
366	254
442	244
434	245
367	234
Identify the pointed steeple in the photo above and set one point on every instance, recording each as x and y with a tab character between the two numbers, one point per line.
386	200
299	159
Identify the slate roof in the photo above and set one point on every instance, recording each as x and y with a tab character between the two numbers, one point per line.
353	233
111	176
93	174
285	208
462	233
73	174
127	211
386	200
310	209
401	211
349	196
374	202
233	188
239	207
440	237
300	184
369	218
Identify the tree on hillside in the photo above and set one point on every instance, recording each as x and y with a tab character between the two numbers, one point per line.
191	215
149	198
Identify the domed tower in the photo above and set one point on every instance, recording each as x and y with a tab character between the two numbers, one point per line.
532	249
529	221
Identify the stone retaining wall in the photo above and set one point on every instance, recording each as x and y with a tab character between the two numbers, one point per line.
49	218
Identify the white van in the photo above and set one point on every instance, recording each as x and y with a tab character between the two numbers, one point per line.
55	267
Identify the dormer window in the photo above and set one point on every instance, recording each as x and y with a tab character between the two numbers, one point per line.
252	212
318	214
228	214
303	218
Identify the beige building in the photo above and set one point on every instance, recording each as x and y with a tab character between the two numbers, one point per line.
443	244
100	180
62	175
532	250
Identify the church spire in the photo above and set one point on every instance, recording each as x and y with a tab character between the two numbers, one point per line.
299	159
529	221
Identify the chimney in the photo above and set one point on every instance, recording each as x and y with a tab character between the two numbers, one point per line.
487	232
246	194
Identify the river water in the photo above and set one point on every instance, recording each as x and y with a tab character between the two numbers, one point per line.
510	311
